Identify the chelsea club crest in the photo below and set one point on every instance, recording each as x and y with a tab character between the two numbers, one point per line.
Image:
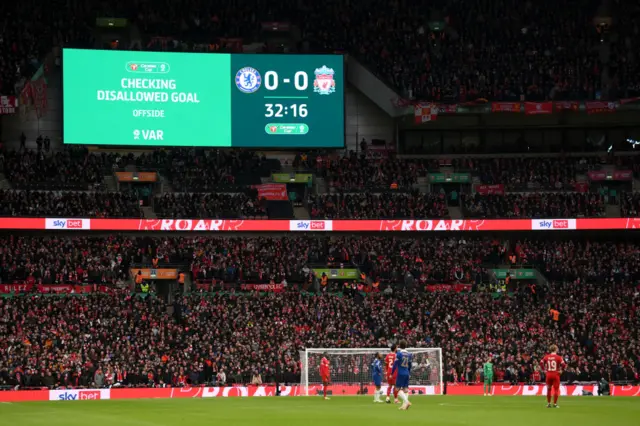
248	80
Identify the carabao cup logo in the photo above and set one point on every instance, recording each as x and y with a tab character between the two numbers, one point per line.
248	80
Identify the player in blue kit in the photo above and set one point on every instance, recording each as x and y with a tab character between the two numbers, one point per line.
403	366
376	372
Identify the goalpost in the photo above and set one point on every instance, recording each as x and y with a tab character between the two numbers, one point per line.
351	375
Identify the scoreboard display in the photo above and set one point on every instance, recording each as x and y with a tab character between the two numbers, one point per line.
203	100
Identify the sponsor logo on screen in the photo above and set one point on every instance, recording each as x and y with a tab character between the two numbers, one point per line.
310	225
67	224
553	224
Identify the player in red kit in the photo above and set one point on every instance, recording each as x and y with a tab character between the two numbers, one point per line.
325	374
553	364
389	360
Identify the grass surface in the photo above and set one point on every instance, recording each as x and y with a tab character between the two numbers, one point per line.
355	411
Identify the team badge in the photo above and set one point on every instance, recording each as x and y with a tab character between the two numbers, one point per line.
324	82
248	80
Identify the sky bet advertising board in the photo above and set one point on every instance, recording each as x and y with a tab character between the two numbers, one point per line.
204	100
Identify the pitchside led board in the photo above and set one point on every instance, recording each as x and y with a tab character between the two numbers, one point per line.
204	100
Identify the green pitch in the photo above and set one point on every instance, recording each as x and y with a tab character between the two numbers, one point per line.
353	411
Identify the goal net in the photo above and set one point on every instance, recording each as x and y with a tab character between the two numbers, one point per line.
351	371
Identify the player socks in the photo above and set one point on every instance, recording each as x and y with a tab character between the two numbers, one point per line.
555	398
548	395
389	390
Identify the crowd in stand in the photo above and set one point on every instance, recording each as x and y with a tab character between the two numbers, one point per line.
626	64
30	29
358	172
72	168
534	205
198	170
582	262
528	173
442	50
210	206
378	206
68	204
630	204
104	340
594	289
541	50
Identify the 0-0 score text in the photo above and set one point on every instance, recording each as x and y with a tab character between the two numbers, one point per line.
300	80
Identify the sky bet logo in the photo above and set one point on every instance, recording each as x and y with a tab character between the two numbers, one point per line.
68	224
556	224
317	225
79	396
310	225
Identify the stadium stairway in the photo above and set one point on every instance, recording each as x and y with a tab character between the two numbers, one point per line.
321	186
613	210
165	185
454	212
4	182
301	213
149	213
110	183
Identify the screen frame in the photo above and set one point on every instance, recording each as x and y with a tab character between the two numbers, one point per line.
147	147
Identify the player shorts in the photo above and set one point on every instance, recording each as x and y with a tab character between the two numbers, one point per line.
553	381
402	381
488	380
391	379
325	379
377	380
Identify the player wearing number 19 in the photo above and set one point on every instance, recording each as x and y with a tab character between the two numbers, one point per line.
553	365
403	366
376	373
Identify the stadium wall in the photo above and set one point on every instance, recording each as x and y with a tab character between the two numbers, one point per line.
265	391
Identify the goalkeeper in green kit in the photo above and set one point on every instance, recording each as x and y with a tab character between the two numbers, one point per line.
488	376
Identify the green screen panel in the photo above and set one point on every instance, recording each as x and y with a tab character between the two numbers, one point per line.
300	101
145	98
205	100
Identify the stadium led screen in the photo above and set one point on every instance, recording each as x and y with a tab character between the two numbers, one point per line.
206	100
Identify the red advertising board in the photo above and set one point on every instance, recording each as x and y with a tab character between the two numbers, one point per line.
272	191
274	288
595	107
490	189
581	186
540	390
447	108
567	105
506	107
239	225
8	104
78	395
51	288
598	175
448	287
534	108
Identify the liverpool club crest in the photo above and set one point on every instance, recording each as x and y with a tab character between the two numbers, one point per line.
324	82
